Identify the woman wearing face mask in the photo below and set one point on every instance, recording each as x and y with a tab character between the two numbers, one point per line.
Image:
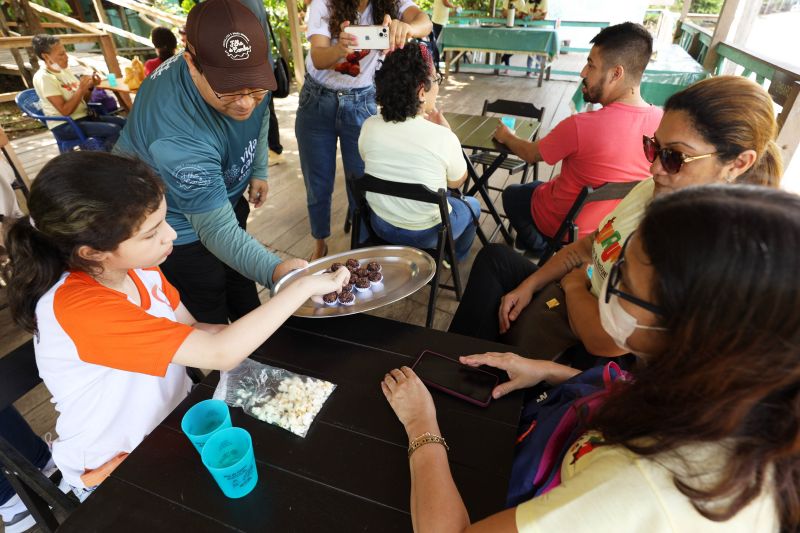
63	94
705	434
719	130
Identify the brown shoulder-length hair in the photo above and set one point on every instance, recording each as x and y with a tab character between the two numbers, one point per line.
344	10
735	114
726	261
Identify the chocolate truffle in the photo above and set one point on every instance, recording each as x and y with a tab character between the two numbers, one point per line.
363	284
353	263
348	287
330	298
374	266
375	277
347	298
353	278
362	272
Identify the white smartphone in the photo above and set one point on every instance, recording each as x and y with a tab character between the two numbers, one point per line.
370	37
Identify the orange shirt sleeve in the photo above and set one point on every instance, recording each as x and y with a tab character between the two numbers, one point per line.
109	330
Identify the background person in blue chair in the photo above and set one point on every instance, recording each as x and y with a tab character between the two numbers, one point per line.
339	94
719	130
704	436
63	94
594	148
200	122
411	142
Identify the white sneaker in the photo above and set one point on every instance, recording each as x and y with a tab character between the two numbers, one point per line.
16	517
275	158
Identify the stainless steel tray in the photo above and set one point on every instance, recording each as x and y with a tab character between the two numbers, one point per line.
405	270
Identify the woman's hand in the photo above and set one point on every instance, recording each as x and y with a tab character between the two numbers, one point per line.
257	192
410	400
347	42
437	117
576	279
511	305
522	372
85	84
503	134
399	32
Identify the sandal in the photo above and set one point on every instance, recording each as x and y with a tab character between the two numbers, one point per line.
324	253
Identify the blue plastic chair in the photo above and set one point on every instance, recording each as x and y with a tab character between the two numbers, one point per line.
28	102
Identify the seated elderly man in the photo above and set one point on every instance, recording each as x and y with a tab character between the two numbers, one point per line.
411	142
63	94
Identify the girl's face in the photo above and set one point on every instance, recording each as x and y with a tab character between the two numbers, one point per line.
637	278
429	97
149	246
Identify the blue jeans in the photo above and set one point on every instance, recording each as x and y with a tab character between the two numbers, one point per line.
105	127
323	117
517	206
460	220
19	434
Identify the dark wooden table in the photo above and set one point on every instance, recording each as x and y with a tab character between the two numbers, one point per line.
476	132
350	473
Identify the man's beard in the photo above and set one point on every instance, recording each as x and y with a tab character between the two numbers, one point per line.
592	95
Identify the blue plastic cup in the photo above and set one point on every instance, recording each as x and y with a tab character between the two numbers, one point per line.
203	420
228	455
112	79
509	121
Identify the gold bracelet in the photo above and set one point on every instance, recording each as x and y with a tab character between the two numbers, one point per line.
426	438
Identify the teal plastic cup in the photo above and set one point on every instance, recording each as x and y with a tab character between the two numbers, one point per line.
112	79
228	455
203	420
509	121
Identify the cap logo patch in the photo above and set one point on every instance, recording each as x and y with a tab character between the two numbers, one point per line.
237	46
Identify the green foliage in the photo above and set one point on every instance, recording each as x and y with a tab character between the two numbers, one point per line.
711	7
62	6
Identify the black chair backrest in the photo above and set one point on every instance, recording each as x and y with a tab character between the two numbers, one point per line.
359	186
48	505
568	231
513	107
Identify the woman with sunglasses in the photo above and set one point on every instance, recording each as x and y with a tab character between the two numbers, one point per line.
411	142
704	436
719	130
338	94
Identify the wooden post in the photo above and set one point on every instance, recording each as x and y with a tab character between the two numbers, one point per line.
730	22
27	24
27	77
101	12
110	55
297	43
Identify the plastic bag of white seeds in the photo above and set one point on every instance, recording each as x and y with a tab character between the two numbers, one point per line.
274	395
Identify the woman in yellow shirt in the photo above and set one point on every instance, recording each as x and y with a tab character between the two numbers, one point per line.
705	436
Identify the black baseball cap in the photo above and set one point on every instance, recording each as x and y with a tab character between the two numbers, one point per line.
228	42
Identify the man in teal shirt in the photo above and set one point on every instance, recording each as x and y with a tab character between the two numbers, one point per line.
198	123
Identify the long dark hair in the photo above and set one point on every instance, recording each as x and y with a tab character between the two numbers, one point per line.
342	10
164	41
726	262
734	114
82	198
399	79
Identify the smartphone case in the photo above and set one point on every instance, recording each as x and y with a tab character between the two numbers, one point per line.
370	37
451	391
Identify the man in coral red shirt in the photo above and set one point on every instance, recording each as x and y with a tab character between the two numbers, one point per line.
595	147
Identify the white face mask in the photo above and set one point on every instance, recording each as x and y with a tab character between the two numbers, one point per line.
617	322
54	67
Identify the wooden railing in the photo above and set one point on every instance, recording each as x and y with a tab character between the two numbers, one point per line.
695	40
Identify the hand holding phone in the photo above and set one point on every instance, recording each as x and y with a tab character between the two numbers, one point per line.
370	37
450	376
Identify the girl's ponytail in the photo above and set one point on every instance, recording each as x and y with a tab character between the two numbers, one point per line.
37	264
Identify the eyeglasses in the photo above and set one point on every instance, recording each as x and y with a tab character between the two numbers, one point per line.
615	276
439	79
671	160
229	98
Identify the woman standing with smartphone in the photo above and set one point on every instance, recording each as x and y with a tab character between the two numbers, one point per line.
339	95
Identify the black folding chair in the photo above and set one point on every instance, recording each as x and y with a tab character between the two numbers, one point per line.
410	191
48	505
512	164
568	230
